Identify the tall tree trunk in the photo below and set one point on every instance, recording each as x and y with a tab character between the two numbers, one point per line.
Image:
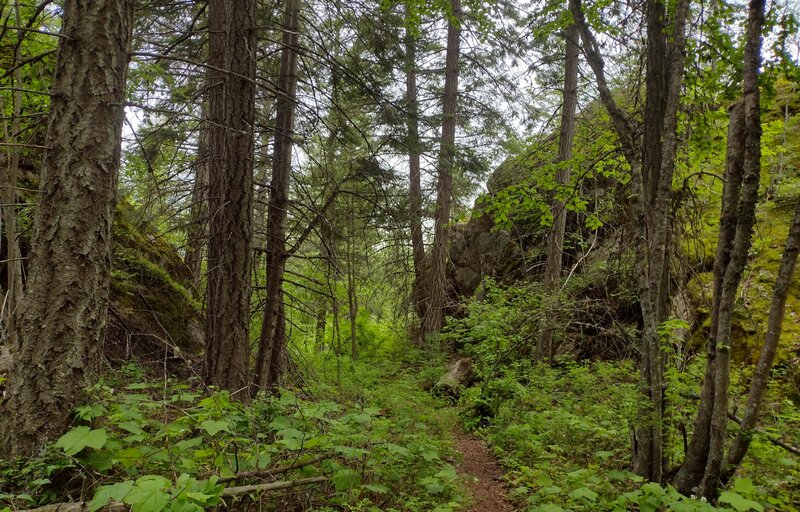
352	297
8	183
419	291
691	471
656	210
63	321
652	187
655	104
745	215
555	239
231	100
438	298
272	340
197	230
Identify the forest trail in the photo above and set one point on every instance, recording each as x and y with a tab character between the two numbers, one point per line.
482	473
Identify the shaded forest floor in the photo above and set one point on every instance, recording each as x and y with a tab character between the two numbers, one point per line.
366	436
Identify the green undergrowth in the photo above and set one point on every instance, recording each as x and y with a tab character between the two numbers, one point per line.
563	431
382	444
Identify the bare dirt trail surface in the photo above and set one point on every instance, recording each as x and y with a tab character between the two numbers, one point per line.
483	475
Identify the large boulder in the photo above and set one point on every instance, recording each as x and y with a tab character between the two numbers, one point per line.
479	250
153	311
153	308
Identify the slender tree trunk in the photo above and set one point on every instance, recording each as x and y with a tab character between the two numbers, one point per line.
434	318
652	171
774	328
231	99
62	326
9	197
657	235
712	479
691	471
655	104
352	298
322	325
555	239
198	217
419	293
272	340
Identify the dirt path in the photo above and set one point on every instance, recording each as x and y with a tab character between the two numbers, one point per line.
482	472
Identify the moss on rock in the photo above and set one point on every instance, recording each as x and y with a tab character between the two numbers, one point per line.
151	301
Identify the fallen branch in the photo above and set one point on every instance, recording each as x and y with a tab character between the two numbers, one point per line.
770	437
229	492
232	492
264	473
80	506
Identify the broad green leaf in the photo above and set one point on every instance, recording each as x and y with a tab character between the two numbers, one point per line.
292	438
549	507
683	506
432	484
448	473
149	494
550	490
377	488
138	385
100	459
185	506
739	503
132	427
396	449
603	454
281	422
82	437
187	444
350	452
213	427
430	455
106	493
346	479
583	492
89	412
744	486
129	456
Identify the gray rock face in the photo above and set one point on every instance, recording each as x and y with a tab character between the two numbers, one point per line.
479	251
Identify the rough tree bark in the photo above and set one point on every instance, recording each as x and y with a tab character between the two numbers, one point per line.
8	185
658	214
272	339
231	113
691	471
652	170
197	230
419	291
701	471
63	321
438	292
555	238
745	215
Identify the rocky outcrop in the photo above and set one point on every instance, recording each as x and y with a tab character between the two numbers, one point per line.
153	309
480	251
